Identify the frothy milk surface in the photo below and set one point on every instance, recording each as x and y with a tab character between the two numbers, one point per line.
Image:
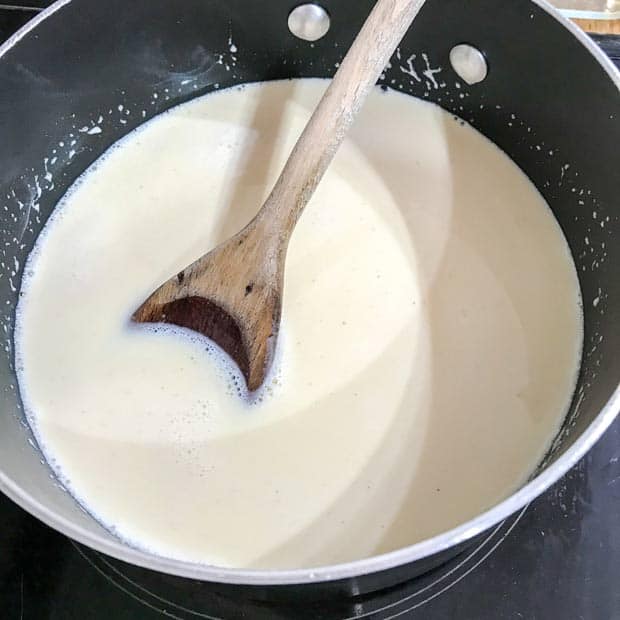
430	338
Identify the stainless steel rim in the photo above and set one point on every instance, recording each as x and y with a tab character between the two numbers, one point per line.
373	564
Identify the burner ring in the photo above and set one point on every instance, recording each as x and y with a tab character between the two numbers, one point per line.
160	596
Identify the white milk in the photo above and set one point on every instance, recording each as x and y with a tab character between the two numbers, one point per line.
430	339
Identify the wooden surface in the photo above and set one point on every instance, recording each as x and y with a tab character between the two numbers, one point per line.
599	26
233	294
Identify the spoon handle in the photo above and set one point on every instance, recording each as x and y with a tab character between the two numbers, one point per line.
358	73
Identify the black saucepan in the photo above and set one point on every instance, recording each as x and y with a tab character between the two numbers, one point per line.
550	100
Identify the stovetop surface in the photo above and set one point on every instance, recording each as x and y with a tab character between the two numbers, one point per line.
559	558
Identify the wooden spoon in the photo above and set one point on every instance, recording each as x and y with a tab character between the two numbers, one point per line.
233	294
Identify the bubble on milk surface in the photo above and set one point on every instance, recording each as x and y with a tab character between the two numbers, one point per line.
225	367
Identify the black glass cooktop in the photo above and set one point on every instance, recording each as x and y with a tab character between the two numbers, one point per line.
557	559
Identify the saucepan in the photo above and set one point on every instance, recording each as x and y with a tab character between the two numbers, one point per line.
85	72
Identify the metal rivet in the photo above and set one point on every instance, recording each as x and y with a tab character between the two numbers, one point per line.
469	63
308	22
